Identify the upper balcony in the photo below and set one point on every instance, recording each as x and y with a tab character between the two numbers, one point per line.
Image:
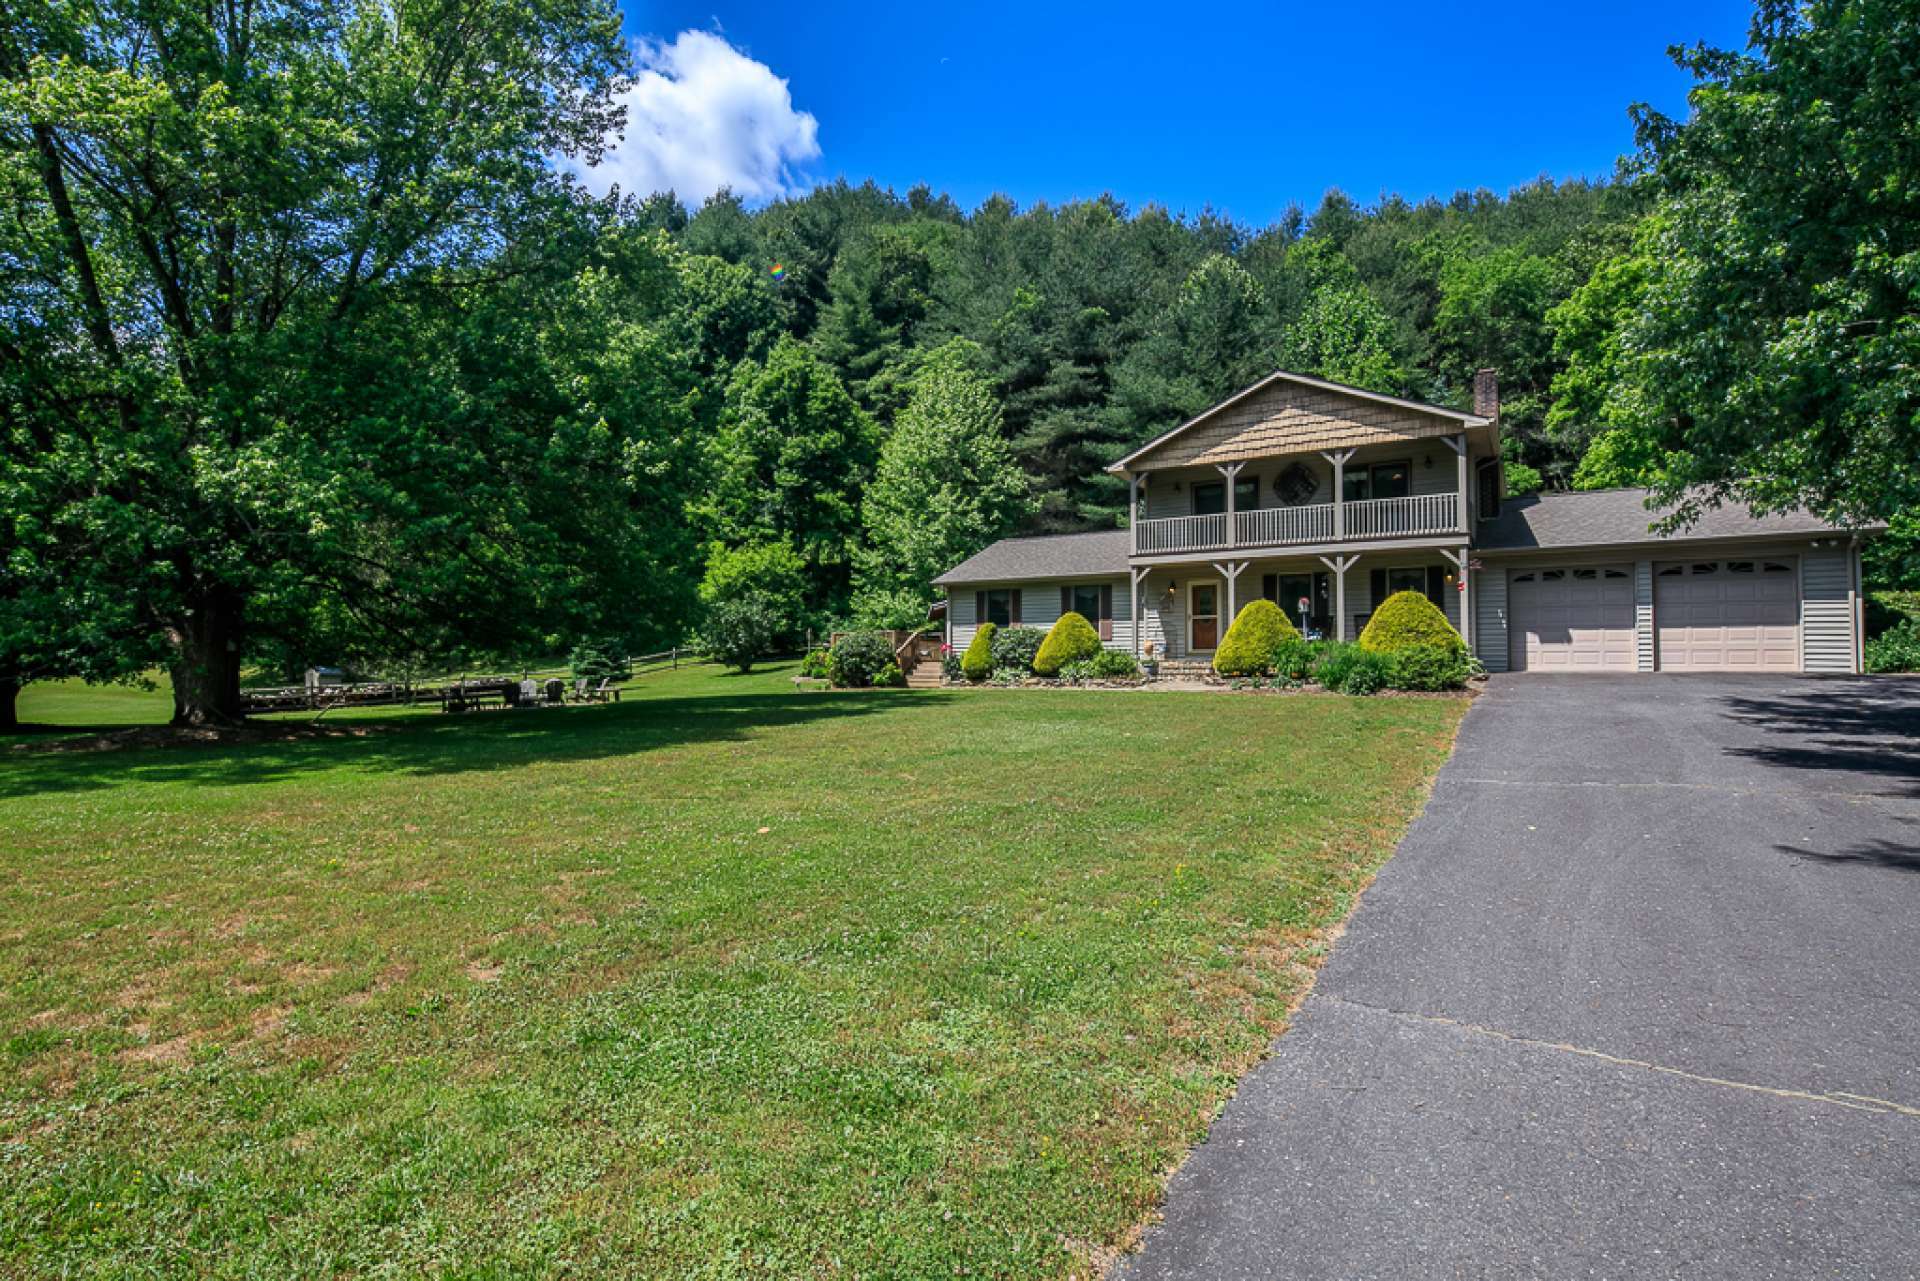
1298	462
1414	516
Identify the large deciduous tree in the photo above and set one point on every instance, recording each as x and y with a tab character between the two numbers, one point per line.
789	460
254	252
947	486
1772	355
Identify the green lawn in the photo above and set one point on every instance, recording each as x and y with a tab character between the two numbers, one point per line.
723	981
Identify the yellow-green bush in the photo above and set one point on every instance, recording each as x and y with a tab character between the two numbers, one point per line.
1247	649
1070	640
977	663
1407	619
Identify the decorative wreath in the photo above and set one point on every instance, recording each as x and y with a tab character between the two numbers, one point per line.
1297	484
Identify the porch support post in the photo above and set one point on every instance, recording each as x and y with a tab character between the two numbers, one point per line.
1232	472
1133	514
1339	458
1231	571
1339	565
1138	599
1460	560
1458	444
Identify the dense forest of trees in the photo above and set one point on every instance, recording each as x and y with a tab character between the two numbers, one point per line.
1098	325
307	352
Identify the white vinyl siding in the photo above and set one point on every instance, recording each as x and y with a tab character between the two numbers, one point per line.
1643	615
1826	611
1039	607
1490	618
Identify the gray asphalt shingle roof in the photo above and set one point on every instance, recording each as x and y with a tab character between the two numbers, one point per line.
1602	517
1101	554
1595	518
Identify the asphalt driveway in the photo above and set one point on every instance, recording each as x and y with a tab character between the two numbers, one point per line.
1639	996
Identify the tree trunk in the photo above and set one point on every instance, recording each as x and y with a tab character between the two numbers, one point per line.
9	704
206	665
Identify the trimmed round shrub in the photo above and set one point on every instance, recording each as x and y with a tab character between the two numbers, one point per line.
858	658
1115	665
1348	669
1014	648
1406	619
977	663
1072	639
1431	667
1247	649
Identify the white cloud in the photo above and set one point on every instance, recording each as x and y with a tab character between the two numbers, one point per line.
701	115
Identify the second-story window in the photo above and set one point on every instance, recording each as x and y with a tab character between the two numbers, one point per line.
1210	497
1380	480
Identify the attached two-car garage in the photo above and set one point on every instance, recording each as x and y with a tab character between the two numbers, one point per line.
1707	615
1586	582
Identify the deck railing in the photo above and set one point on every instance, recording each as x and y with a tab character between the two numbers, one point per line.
1373	518
1184	533
1269	525
1403	517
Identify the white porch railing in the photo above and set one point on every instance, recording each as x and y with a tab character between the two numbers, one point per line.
1270	525
1403	517
1283	526
1184	533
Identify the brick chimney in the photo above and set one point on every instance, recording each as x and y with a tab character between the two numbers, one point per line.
1486	393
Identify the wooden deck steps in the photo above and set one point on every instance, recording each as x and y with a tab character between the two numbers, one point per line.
925	676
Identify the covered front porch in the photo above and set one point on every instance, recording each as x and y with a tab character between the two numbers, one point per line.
1186	607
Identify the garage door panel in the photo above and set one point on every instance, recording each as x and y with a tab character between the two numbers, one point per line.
1571	619
1731	615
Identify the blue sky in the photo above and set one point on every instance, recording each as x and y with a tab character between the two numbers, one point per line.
1246	109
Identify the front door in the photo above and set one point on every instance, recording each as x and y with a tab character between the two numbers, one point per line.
1203	617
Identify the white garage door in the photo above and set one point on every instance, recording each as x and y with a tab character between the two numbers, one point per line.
1573	620
1727	615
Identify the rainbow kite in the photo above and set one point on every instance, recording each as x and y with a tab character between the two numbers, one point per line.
778	271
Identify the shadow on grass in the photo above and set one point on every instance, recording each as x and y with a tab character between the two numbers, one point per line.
1865	727
453	744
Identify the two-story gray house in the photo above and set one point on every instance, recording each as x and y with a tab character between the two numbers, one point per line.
1326	499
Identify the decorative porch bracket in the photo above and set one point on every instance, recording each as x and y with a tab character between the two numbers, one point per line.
1339	459
1232	472
1340	565
1231	571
